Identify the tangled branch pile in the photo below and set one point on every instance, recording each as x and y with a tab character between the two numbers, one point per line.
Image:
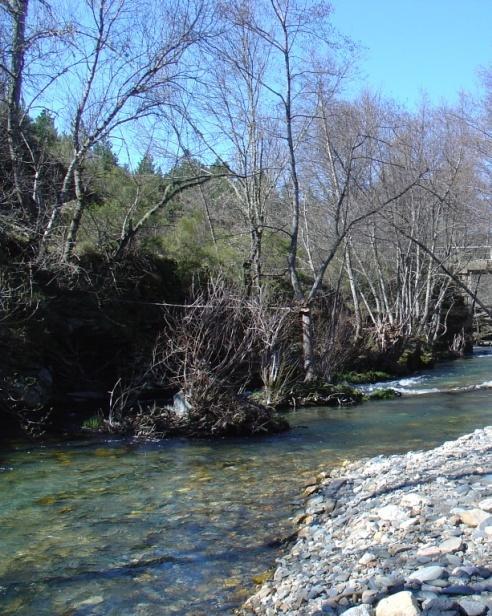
208	348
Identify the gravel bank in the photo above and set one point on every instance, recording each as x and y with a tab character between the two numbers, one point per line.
393	536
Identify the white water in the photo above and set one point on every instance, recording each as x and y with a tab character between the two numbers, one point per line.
450	377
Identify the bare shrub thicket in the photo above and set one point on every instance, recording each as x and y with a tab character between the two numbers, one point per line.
209	348
335	343
275	330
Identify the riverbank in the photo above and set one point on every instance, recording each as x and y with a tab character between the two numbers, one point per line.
393	536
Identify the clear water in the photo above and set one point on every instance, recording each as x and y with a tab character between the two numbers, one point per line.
448	376
179	527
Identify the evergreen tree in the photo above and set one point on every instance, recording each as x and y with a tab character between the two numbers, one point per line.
146	166
105	155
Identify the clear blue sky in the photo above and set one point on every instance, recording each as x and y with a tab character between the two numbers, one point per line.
412	46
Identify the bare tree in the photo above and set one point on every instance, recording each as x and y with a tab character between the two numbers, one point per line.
238	103
28	71
132	62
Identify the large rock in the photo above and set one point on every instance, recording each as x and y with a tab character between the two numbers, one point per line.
472	607
401	604
181	407
427	574
453	544
473	517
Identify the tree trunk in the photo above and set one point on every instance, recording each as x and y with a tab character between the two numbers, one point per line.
77	216
353	289
307	344
19	9
256	238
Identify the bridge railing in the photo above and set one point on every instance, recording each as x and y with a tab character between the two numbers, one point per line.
461	255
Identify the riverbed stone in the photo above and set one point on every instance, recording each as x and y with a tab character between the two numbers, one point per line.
453	544
426	574
486	504
400	604
367	558
429	552
91	601
359	610
473	517
472	607
413	499
400	525
393	513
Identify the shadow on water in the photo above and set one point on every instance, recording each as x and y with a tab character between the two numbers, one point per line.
179	527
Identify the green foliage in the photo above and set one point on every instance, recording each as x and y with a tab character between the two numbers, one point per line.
93	423
105	156
383	394
417	355
146	166
44	129
359	378
191	246
314	393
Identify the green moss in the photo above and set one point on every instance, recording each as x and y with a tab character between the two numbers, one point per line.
383	394
316	393
263	577
358	378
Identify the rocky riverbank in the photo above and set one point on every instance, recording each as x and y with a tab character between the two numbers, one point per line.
393	536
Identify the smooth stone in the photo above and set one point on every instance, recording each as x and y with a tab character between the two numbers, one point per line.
359	610
392	513
451	545
472	607
406	524
330	505
367	558
485	523
441	613
440	603
413	499
429	552
397	548
96	600
426	574
479	587
473	517
440	583
458	589
430	588
467	570
369	596
401	604
486	504
308	490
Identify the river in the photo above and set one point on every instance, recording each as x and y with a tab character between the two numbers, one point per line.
115	527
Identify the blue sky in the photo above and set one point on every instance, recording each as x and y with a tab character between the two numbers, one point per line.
436	46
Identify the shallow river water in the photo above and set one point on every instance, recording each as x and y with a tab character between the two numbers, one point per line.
178	527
